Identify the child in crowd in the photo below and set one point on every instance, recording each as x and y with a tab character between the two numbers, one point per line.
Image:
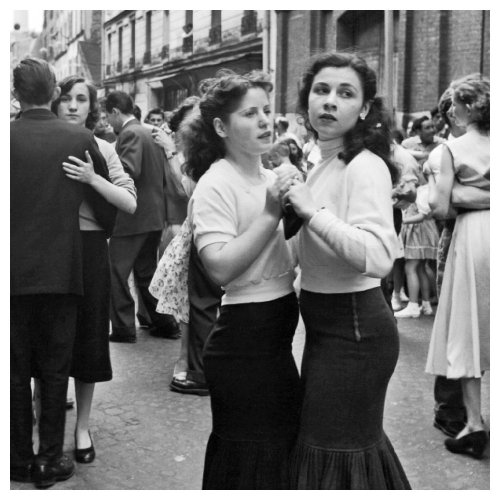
420	236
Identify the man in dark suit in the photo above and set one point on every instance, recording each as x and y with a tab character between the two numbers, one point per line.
46	270
135	240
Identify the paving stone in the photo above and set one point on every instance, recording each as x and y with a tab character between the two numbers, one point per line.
150	438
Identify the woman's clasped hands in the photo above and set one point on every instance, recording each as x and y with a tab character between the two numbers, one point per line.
294	192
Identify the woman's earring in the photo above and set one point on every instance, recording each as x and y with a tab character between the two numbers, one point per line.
362	116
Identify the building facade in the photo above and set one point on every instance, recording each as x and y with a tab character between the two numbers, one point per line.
159	57
22	44
71	42
431	48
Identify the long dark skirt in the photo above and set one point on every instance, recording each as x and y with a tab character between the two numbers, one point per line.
91	360
350	354
255	395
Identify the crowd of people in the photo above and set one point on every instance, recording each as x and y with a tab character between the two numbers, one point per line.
229	226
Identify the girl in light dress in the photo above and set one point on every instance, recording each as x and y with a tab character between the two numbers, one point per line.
459	346
420	237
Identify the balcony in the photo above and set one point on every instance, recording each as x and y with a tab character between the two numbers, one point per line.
215	35
206	44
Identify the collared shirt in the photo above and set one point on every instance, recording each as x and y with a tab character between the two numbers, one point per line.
130	118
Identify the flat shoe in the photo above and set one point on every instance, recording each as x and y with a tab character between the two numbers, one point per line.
472	444
85	455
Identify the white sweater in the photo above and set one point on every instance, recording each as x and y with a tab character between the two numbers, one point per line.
223	207
118	177
351	243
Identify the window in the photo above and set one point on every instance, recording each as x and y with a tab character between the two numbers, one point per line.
131	62
249	22
214	35
187	39
318	30
108	58
166	34
189	19
360	30
147	54
120	49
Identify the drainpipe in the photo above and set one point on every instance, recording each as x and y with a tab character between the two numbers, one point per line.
266	42
389	60
481	58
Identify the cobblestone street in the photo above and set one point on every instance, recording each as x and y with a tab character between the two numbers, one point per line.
148	437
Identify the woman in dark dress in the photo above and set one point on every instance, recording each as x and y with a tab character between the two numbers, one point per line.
91	363
250	371
347	243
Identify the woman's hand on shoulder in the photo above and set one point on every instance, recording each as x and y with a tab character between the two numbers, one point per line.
80	170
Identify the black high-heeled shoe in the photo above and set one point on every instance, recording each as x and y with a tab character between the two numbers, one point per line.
85	455
472	444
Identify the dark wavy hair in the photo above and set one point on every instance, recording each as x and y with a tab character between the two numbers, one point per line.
474	90
222	96
181	111
66	85
372	133
295	158
444	105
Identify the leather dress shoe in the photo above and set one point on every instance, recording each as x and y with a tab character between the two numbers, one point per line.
165	332
449	427
472	444
21	474
85	455
46	475
126	339
189	387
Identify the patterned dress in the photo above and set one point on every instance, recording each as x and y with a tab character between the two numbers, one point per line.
170	281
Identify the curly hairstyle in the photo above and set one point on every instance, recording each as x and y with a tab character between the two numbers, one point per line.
66	85
444	105
181	111
372	133
222	96
474	91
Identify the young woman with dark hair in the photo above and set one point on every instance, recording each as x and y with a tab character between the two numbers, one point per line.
460	342
78	105
346	245
251	374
